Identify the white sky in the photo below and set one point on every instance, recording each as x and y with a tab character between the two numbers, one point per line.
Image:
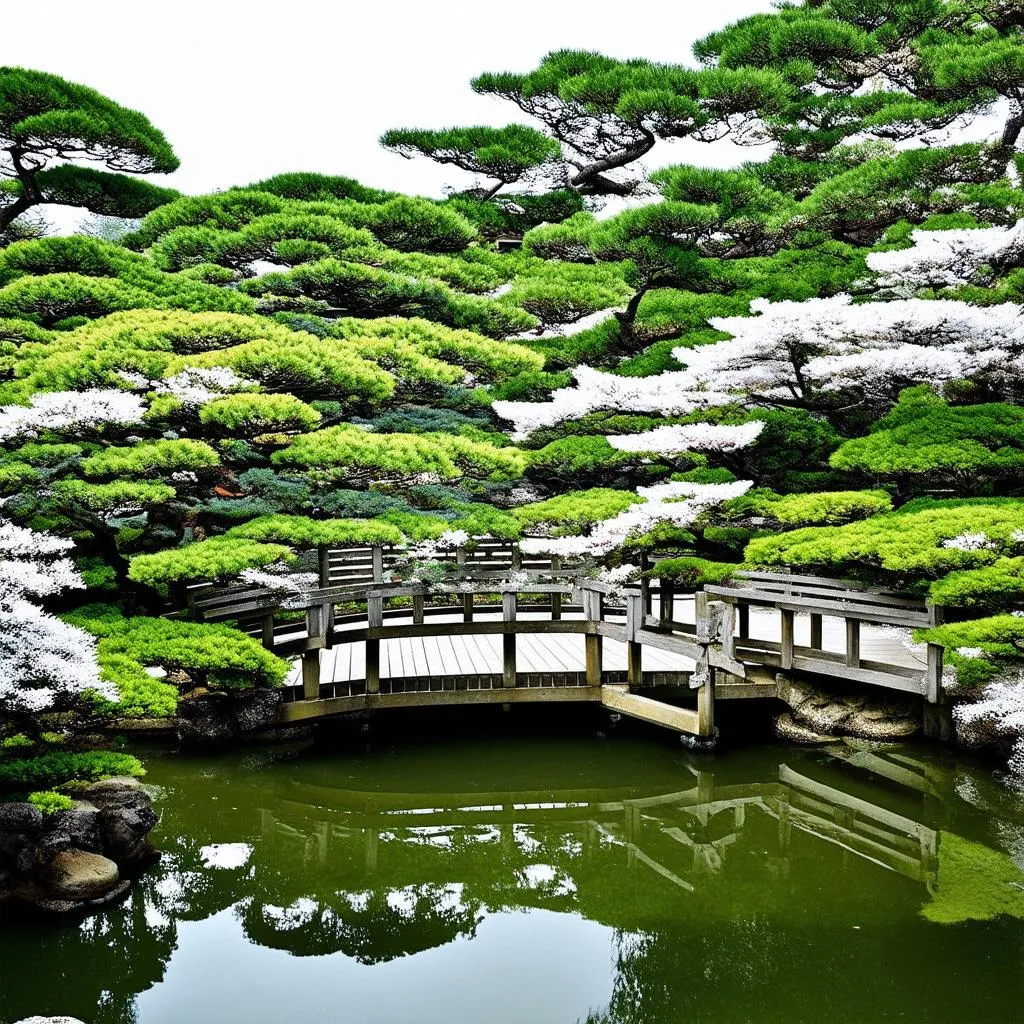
248	88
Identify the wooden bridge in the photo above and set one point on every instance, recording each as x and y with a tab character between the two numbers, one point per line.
362	642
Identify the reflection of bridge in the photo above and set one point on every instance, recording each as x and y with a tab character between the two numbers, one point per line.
478	639
679	837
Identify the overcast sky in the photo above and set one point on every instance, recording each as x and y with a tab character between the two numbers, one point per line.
248	88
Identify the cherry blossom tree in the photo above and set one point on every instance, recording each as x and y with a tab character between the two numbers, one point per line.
45	664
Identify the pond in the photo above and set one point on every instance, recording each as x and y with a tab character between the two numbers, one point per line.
437	876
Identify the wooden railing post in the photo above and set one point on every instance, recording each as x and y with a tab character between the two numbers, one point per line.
467	599
744	621
508	639
816	630
323	553
592	641
316	629
556	599
786	640
267	631
374	620
729	630
853	643
377	561
703	669
933	671
634	649
666	599
418	603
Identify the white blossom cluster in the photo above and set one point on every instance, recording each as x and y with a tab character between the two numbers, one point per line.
198	384
276	578
789	350
667	393
677	504
969	542
704	437
1001	710
941	259
450	540
70	411
42	659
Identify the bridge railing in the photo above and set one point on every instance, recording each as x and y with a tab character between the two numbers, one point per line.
818	598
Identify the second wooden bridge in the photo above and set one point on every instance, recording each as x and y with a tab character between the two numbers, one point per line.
363	643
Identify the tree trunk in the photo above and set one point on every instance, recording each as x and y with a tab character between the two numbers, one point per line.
627	321
1014	126
590	180
30	196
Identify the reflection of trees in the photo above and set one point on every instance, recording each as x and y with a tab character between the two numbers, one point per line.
718	891
92	968
370	927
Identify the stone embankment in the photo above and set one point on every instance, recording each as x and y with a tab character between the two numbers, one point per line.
80	858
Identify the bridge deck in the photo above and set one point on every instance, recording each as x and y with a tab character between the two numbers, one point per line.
559	653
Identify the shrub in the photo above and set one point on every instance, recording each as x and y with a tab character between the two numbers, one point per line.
50	802
577	508
691	573
160	457
214	654
980	648
258	414
349	454
907	544
119	495
991	586
925	437
304	532
580	460
820	508
59	766
218	558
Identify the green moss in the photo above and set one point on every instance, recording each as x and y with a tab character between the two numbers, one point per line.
975	883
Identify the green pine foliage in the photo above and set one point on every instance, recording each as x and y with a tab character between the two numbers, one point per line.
218	558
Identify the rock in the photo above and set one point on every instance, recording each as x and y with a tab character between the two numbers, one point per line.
837	713
78	827
20	825
124	831
81	875
256	709
52	906
787	729
49	1020
125	817
206	718
214	716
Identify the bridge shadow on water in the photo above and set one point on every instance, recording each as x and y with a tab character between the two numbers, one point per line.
758	883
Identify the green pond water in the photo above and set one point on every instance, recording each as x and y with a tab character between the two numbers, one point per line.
502	876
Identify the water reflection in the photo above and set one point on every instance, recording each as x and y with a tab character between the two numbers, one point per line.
766	885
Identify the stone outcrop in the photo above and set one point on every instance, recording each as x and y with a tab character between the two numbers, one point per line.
818	715
76	859
216	716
